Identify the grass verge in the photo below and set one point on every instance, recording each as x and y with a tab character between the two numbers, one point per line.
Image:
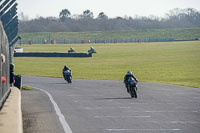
27	88
170	62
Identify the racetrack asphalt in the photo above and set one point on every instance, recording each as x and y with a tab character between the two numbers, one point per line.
103	106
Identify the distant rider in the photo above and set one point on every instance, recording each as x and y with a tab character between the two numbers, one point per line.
127	76
71	50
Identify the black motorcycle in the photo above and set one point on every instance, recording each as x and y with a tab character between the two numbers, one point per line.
132	87
67	76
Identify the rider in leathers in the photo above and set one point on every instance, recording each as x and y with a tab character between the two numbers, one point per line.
65	69
127	76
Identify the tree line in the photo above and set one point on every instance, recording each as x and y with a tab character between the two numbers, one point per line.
66	22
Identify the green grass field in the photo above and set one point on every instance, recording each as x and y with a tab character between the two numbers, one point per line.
177	34
171	62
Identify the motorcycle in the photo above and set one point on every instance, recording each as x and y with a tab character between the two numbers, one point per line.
132	87
67	76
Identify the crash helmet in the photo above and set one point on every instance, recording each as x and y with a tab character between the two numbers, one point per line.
129	73
12	66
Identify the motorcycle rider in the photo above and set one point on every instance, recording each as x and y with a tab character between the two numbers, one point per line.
66	69
67	74
12	75
127	76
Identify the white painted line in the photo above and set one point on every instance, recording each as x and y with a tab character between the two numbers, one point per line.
63	122
143	129
122	116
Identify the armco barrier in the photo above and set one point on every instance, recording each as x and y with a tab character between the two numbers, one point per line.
38	54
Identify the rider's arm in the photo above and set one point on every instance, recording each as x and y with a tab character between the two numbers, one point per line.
135	78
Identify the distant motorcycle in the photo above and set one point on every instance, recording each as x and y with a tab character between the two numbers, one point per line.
132	87
67	76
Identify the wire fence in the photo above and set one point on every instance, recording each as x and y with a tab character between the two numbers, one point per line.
96	41
4	66
8	38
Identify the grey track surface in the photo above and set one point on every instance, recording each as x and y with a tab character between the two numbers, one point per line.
100	106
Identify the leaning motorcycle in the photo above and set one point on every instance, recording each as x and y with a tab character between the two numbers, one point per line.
132	88
67	76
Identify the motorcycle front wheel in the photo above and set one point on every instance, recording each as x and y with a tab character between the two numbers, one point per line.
133	92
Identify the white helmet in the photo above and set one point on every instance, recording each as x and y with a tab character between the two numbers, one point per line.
129	73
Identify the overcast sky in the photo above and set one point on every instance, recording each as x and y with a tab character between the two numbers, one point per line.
112	8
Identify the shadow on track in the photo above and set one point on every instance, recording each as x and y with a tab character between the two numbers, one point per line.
113	98
57	83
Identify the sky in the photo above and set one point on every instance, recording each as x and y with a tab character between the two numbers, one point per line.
112	8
